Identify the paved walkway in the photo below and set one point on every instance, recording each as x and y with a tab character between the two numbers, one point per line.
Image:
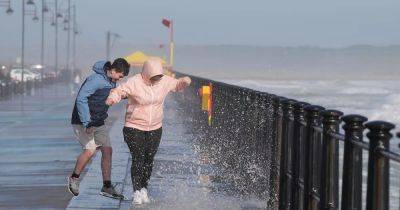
180	179
37	149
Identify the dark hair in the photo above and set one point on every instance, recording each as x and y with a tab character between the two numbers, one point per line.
121	65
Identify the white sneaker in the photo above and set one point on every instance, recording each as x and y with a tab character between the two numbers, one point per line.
137	198
145	197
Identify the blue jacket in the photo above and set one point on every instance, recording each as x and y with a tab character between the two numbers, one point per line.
90	108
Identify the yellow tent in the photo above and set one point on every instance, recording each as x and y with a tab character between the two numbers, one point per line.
138	58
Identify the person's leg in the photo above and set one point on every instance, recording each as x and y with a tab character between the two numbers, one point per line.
89	149
153	142
106	159
102	138
82	161
135	140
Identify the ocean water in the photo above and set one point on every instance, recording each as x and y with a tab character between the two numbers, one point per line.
375	99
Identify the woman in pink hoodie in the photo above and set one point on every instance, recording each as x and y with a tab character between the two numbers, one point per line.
146	93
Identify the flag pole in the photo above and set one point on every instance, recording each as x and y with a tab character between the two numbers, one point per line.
171	45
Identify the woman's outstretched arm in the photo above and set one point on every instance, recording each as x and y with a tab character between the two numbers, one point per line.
180	84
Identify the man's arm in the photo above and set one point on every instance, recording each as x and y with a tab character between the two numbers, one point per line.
87	89
120	92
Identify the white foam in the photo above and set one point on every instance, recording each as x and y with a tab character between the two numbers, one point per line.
365	90
389	110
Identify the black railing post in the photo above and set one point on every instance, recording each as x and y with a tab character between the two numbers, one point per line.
14	88
297	155
352	163
330	161
286	154
313	119
5	89
28	87
275	153
281	152
10	88
261	139
378	166
264	143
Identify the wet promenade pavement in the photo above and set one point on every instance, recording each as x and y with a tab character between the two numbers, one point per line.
37	149
181	179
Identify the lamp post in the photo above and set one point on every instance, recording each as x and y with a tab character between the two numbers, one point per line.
7	3
75	32
56	16
110	43
67	27
45	9
68	36
23	42
60	13
68	20
55	23
170	25
35	18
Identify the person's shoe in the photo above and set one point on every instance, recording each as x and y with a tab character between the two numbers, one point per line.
111	193
145	197
137	198
73	185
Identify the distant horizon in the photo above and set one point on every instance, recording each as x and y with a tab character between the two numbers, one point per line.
257	62
122	47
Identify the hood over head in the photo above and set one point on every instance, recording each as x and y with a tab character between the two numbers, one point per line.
100	67
151	68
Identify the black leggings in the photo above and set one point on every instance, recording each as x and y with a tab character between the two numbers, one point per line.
143	146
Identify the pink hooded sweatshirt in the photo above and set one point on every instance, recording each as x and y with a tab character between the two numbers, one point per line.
144	110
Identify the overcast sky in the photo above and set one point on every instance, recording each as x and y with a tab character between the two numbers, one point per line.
255	22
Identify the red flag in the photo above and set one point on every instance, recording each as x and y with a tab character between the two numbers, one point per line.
166	22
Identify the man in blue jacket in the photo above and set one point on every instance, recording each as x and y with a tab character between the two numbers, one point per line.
88	122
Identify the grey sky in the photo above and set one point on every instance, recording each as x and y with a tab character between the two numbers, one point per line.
254	22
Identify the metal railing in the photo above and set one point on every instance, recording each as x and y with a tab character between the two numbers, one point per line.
288	151
310	159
